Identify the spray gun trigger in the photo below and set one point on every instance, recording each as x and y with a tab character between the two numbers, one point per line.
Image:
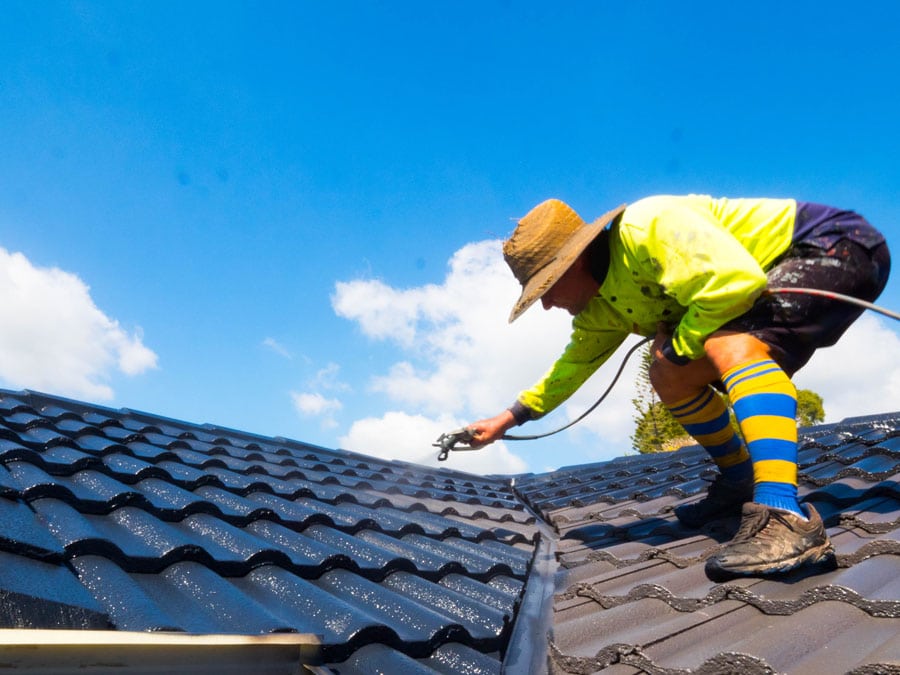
447	442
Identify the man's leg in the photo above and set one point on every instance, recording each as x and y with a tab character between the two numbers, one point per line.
764	401
686	392
776	533
706	419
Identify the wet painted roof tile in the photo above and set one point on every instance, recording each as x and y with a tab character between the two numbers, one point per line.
117	519
123	520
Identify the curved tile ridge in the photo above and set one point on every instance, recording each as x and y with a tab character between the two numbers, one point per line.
851	521
863	452
881	609
842	494
450	658
633	655
98	493
868	550
869	476
401	612
140	543
613	514
681	562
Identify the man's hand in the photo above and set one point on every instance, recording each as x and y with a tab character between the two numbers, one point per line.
485	432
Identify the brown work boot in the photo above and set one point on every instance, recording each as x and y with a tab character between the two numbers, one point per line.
770	541
724	498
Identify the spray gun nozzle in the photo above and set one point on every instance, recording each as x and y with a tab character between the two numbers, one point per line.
447	442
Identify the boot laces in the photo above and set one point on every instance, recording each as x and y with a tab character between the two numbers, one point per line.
757	525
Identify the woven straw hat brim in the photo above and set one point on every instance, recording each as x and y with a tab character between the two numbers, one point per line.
541	281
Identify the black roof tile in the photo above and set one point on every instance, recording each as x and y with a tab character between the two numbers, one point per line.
484	623
11	404
126	520
203	601
23	532
100	444
299	514
38	594
74	426
99	419
314	608
633	597
232	506
426	559
423	614
308	557
25	419
371	559
40	437
451	658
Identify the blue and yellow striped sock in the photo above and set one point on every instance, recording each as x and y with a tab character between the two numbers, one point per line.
765	405
706	419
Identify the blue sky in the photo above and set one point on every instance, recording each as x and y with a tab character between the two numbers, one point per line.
284	217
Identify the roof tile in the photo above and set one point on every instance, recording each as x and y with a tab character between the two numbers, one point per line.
124	519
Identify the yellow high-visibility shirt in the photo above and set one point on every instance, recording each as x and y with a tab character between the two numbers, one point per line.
692	261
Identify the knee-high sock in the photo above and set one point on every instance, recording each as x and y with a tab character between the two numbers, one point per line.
765	405
706	419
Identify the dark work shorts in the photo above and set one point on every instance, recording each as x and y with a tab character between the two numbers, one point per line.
793	325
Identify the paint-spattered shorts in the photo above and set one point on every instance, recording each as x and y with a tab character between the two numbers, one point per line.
794	325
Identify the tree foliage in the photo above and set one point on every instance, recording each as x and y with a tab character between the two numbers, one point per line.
810	409
655	428
657	431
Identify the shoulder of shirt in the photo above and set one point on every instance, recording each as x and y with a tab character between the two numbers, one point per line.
642	217
655	203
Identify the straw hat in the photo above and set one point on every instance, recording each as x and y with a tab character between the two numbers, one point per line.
545	244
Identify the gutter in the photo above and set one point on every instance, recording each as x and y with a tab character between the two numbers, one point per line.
528	650
92	652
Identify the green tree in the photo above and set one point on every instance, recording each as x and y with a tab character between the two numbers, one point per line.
810	409
655	428
657	431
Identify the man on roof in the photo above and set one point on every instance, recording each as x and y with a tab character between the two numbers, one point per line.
692	271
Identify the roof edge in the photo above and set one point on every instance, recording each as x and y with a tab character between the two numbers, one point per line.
90	651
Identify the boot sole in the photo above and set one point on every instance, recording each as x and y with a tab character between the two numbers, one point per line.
810	556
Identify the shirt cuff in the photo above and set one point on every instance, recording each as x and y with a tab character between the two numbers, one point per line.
521	412
668	350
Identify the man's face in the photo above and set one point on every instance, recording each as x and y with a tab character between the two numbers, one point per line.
574	289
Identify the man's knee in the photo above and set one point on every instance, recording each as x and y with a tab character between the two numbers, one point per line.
674	383
727	349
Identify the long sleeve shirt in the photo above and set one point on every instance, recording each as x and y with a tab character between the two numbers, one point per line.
693	261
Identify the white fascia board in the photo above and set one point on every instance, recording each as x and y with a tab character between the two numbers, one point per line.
92	652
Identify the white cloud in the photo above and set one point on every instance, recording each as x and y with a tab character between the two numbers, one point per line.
54	339
328	378
606	432
400	436
313	404
459	353
382	312
277	347
860	375
459	359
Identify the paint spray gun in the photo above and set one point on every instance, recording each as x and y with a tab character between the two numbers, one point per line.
447	442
